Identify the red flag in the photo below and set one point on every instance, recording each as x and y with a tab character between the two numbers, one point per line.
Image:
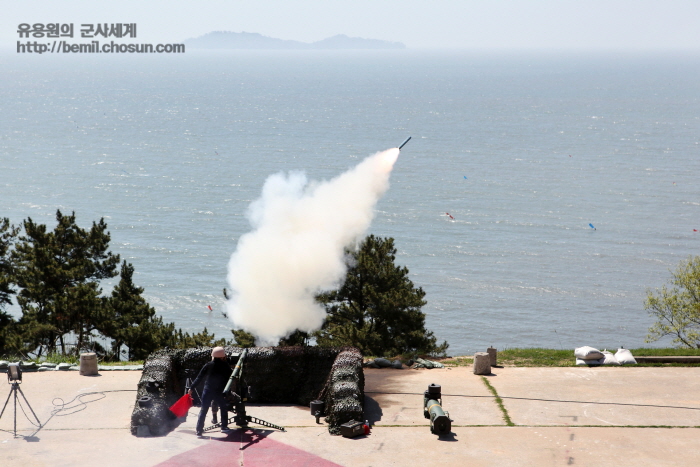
181	407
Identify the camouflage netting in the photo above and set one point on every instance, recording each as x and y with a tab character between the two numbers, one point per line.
343	393
282	375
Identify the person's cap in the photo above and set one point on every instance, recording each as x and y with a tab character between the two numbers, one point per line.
218	352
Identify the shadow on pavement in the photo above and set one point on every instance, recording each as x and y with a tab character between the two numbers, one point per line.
373	412
448	437
248	436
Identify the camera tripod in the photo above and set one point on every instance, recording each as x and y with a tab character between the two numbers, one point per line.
14	390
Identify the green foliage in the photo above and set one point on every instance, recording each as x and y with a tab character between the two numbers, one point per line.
7	235
10	335
499	401
202	339
58	358
242	338
129	320
666	352
377	309
677	309
458	361
9	339
58	274
536	357
245	339
297	338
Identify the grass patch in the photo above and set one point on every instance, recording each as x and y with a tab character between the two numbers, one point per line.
536	357
539	357
517	357
135	362
458	361
58	358
499	402
644	352
51	358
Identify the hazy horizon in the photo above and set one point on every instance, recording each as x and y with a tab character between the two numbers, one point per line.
634	25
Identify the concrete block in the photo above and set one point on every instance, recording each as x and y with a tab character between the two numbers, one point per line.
88	364
493	356
482	363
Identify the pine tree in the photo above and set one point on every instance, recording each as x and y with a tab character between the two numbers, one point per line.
9	339
7	235
243	338
297	338
59	274
150	335
129	320
377	309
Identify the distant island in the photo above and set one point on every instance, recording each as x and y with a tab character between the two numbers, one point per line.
252	40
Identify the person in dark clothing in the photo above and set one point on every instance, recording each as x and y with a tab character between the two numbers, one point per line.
215	374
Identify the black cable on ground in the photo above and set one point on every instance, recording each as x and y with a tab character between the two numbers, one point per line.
64	406
543	400
81	405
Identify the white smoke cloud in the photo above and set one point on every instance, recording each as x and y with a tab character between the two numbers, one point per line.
296	247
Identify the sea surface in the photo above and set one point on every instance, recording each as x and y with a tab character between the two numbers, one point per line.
523	150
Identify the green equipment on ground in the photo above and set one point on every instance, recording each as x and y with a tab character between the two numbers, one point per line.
236	393
440	423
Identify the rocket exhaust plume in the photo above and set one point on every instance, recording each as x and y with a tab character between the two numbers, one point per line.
296	247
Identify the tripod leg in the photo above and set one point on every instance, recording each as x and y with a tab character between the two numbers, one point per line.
30	407
6	401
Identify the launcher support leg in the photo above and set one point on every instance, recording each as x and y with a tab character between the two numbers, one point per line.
14	390
6	401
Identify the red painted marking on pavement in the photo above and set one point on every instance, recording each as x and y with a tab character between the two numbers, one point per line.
248	450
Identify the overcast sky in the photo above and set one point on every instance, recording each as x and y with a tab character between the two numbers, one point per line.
461	24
